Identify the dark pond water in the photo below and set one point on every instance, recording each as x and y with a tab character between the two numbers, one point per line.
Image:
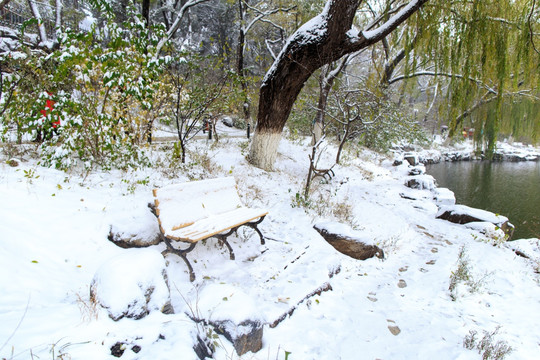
511	189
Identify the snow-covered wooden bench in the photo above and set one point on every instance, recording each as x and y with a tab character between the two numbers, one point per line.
198	210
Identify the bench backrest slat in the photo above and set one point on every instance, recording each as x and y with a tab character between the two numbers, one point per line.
181	205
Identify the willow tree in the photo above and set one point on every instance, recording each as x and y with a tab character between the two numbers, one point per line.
325	38
483	55
498	52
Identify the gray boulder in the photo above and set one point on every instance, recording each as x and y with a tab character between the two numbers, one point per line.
462	214
245	336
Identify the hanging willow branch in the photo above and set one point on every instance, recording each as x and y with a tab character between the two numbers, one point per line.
432	73
531	32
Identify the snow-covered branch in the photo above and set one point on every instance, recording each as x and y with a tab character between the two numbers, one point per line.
59	6
268	43
41	27
263	14
380	32
3	4
176	24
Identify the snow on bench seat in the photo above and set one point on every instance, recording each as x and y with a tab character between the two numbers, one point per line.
215	224
197	210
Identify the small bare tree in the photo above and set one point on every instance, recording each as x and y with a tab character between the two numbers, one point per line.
314	171
196	102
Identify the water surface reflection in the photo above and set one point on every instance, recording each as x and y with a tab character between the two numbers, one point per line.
511	189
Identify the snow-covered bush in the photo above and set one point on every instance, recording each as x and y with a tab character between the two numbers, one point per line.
25	77
116	95
105	93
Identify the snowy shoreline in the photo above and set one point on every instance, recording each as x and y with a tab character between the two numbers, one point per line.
515	152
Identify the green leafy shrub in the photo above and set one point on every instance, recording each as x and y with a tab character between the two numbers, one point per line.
107	94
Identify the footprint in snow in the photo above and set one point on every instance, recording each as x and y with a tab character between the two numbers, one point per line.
394	329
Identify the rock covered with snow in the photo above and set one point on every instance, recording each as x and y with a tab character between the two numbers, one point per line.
444	196
132	284
411	158
234	314
348	241
488	229
417	170
462	214
516	152
421	182
135	228
245	336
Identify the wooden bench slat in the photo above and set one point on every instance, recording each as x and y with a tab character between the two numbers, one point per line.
213	225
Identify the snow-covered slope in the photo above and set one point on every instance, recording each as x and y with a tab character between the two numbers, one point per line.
53	240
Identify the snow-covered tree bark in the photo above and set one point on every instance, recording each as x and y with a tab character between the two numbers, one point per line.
44	40
325	38
41	27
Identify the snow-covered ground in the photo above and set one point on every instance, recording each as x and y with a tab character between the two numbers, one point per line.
54	244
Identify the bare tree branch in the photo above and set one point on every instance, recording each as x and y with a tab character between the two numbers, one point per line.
432	73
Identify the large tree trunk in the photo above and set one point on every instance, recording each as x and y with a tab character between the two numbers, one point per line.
323	39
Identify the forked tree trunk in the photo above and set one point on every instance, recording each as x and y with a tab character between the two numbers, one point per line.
323	39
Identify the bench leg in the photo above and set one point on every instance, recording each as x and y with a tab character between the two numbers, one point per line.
223	240
182	254
253	225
